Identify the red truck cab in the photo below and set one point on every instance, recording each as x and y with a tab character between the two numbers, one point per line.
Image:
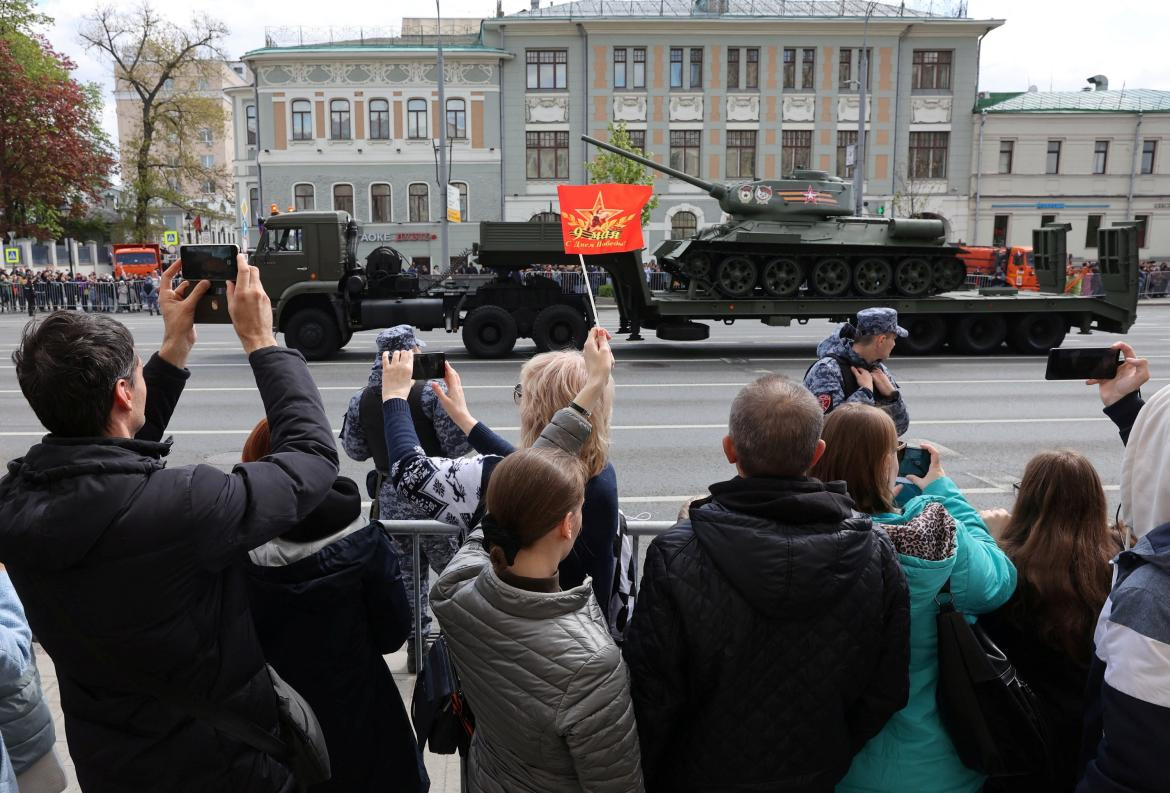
136	258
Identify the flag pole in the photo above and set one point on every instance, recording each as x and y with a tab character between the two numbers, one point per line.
589	289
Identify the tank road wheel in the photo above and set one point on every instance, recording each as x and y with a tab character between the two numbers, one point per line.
559	327
489	332
928	334
1036	334
313	333
913	277
697	266
830	277
872	277
736	276
781	277
978	334
949	275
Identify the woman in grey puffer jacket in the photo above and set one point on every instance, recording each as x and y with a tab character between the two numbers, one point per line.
547	684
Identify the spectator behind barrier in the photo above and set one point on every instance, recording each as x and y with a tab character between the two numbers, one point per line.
544	678
770	638
913	750
1127	723
133	574
1059	538
328	601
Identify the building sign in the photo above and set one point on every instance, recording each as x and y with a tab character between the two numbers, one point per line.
401	236
1162	206
454	213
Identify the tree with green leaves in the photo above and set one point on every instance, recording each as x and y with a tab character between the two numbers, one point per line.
607	167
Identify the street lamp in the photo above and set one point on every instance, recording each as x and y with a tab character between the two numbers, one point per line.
863	87
444	176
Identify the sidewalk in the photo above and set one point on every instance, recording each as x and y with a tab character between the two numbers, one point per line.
443	769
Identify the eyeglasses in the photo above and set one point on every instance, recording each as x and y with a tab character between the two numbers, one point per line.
517	394
1016	487
900	450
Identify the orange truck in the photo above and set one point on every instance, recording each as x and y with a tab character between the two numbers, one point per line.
1012	264
136	258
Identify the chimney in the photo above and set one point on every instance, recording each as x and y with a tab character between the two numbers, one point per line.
1099	82
535	5
499	8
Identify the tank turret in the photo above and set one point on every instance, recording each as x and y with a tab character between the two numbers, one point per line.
798	234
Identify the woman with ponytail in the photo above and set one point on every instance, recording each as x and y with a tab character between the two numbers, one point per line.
548	686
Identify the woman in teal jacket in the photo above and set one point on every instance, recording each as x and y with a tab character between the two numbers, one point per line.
913	751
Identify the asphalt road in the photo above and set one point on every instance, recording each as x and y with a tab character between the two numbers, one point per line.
989	414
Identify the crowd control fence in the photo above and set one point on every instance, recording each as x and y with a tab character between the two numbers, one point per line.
112	297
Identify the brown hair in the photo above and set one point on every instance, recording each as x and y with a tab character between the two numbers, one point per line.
259	443
858	442
1060	541
774	426
529	493
548	382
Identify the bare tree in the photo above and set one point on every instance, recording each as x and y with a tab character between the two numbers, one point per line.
168	67
915	197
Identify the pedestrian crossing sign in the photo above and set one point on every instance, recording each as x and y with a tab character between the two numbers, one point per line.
12	255
170	238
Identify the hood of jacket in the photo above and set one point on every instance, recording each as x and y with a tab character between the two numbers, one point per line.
1145	467
836	345
335	518
58	500
1153	549
925	536
784	543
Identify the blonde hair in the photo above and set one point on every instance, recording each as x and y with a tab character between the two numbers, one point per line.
548	382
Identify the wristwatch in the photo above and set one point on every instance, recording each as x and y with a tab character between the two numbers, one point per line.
579	409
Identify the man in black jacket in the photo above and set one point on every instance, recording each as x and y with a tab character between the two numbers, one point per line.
770	640
131	572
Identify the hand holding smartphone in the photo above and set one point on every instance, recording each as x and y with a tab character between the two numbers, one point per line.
1082	363
214	263
913	461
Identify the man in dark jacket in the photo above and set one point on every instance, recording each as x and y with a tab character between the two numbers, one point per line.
131	573
770	640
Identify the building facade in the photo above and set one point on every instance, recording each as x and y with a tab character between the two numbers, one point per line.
1087	158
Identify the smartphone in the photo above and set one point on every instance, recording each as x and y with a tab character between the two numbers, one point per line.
429	366
913	461
212	307
1082	363
209	262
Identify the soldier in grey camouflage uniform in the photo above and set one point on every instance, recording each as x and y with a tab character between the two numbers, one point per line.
850	366
435	551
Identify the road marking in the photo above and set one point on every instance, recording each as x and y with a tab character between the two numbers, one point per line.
973	491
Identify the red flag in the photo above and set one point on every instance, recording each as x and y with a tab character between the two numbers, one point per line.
602	218
198	225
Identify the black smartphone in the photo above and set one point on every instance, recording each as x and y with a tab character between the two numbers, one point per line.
1082	363
212	307
209	262
429	366
913	461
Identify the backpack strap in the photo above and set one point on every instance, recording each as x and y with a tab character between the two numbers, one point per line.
374	428
848	379
423	427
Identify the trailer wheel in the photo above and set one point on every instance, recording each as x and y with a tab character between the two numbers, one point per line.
978	334
928	334
1036	334
313	333
489	332
559	327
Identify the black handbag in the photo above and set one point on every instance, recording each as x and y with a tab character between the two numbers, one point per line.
439	710
990	714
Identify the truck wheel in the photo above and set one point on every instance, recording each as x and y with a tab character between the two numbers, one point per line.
978	334
313	333
928	334
1036	334
558	327
489	332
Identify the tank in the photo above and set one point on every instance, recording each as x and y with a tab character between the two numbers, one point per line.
797	235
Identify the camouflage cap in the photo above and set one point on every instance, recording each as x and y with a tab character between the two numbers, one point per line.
872	321
399	337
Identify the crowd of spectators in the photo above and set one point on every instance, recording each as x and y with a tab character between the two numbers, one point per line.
32	291
1153	279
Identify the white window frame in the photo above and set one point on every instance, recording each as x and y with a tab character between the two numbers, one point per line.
294	195
390	196
292	130
466	208
427	185
352	197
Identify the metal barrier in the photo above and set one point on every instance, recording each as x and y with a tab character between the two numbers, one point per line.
1155	283
111	297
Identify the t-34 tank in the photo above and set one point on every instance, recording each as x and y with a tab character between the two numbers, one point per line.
794	233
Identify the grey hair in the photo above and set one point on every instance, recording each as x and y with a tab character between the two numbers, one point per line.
775	425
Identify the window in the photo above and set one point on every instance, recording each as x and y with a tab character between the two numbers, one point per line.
619	67
547	69
931	70
846	69
637	138
288	240
751	77
696	68
795	150
302	197
928	155
808	64
733	68
205	135
207	160
339	126
684	150
416	119
380	203
683	224
208	186
379	119
639	68
343	198
1047	219
456	119
1143	228
845	139
1149	149
547	155
741	153
676	67
419	200
789	69
302	120
250	124
1091	228
999	230
1007	150
254	204
203	85
802	80
1100	156
1052	165
462	187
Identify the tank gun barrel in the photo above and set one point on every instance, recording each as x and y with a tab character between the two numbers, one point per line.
715	190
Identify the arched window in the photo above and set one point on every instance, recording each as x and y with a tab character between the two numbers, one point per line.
416	118
302	120
302	197
456	118
343	198
339	127
545	217
380	203
683	224
250	124
419	198
463	206
379	119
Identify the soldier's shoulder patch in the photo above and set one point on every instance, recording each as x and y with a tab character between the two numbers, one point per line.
826	402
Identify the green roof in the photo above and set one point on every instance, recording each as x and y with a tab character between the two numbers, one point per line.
1123	101
327	49
989	98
